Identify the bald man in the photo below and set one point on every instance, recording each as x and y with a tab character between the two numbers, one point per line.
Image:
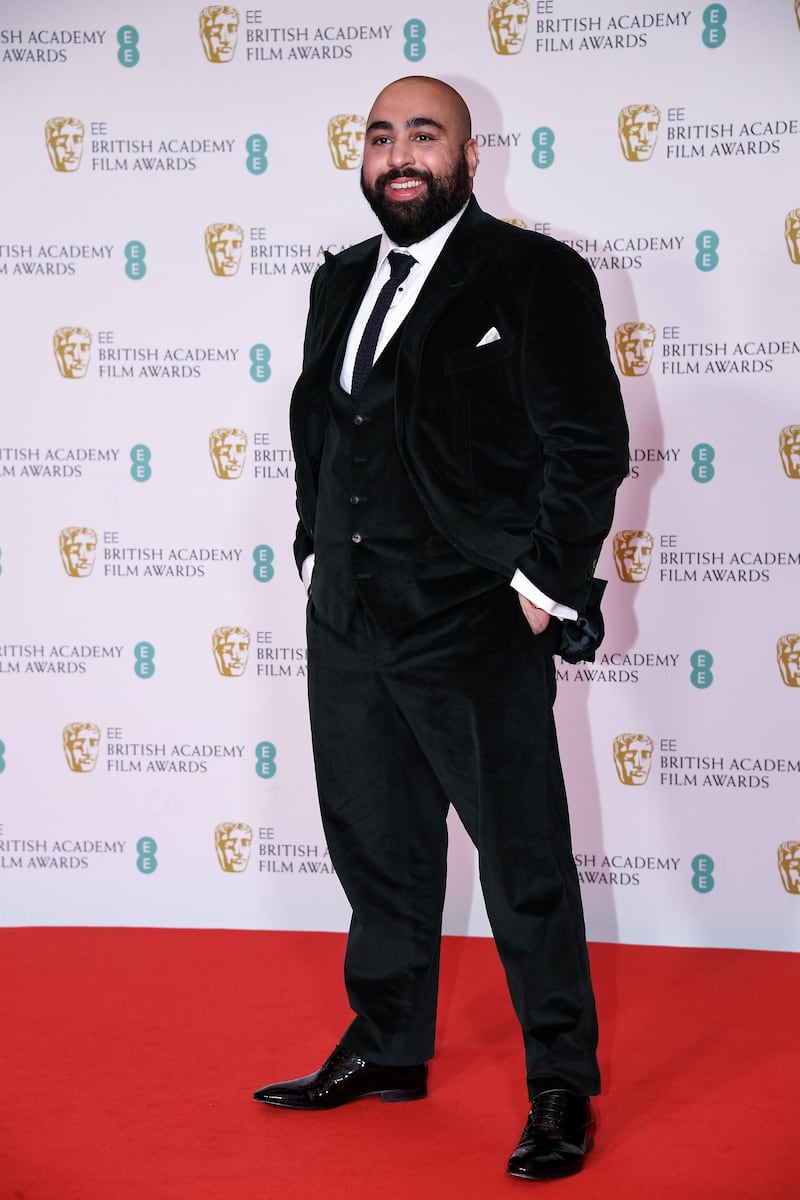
459	438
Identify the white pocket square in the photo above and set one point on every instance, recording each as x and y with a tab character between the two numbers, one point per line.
491	335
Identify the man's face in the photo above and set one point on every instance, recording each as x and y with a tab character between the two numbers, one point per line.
635	349
419	161
65	146
225	250
232	652
639	133
82	745
508	25
347	143
632	555
78	553
233	847
219	35
229	454
634	757
72	353
789	660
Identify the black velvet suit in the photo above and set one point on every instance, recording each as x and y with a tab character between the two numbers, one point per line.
512	451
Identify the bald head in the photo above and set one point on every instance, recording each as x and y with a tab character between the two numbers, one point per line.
421	92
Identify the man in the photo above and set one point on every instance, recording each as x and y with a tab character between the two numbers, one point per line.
484	449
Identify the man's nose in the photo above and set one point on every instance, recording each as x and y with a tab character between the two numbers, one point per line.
401	153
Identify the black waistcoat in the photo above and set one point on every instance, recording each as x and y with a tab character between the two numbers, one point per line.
373	541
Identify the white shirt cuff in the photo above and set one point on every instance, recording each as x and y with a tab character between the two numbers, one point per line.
306	571
520	583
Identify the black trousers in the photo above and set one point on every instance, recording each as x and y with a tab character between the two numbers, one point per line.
455	709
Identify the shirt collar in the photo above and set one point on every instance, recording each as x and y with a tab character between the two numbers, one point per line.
428	250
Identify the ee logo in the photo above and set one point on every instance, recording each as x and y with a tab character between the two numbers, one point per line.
257	162
144	655
414	33
702	675
146	861
135	266
265	760
128	42
140	464
707	244
703	463
543	154
260	370
703	873
2	756
714	31
263	570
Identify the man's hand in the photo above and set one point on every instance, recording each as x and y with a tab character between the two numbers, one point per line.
537	618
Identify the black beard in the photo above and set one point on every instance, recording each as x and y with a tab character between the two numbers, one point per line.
410	222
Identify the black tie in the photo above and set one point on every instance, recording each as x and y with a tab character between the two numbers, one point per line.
400	264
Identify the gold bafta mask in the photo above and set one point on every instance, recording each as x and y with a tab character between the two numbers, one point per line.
792	232
508	24
789	444
227	448
633	345
346	133
797	12
78	546
232	841
789	659
638	131
219	32
520	224
81	746
789	866
633	757
231	650
633	550
72	346
224	247
64	139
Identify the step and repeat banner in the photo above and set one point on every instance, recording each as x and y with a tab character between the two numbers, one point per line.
173	175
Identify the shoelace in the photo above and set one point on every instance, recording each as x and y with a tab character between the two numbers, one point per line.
549	1110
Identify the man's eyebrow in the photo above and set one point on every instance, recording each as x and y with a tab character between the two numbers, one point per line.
411	123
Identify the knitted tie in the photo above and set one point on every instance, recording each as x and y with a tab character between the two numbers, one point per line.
400	265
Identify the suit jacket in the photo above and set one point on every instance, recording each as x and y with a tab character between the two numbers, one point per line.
515	448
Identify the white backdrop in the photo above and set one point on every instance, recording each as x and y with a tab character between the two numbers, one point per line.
167	197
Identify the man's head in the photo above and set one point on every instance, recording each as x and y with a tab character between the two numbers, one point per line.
64	138
72	345
792	233
633	550
346	140
231	650
789	443
232	841
224	247
508	24
81	746
638	131
633	346
419	157
78	546
633	756
789	659
227	448
219	32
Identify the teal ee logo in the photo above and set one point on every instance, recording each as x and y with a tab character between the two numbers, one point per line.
260	370
703	873
128	41
263	570
707	244
256	154
146	860
414	33
144	655
140	464
2	756
543	154
703	463
135	267
702	675
714	32
265	760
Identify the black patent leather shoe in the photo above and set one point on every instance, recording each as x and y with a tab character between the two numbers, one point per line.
557	1136
343	1077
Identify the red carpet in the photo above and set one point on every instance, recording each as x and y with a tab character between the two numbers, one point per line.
129	1057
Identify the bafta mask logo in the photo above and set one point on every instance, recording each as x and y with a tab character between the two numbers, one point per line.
231	650
72	346
520	224
789	659
633	550
638	131
219	32
78	546
789	444
81	746
346	133
228	448
508	24
792	233
232	840
797	12
789	866
224	247
633	757
633	346
64	139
